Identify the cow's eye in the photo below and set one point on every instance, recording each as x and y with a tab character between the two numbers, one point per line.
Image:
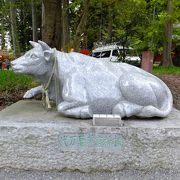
33	56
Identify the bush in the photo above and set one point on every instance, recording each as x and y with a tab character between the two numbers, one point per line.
9	81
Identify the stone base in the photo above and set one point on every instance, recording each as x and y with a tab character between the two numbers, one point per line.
33	138
17	174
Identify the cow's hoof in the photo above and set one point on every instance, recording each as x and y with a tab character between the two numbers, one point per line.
86	113
28	95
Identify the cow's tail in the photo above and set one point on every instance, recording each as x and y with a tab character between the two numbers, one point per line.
163	110
168	104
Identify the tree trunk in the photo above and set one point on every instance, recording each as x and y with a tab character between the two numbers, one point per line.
167	59
14	33
51	22
85	40
110	23
2	36
34	20
81	25
65	27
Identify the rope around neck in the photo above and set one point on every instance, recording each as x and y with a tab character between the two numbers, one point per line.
45	95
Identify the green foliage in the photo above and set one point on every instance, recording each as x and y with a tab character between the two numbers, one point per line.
4	21
9	81
138	23
130	21
159	70
24	22
23	18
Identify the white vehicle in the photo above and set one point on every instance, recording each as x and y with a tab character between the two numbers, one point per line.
114	53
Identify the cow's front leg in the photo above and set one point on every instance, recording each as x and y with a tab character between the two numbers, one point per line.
32	92
74	109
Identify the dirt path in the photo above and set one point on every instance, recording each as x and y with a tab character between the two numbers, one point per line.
6	99
173	82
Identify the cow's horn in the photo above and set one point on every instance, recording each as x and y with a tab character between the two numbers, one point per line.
44	45
34	44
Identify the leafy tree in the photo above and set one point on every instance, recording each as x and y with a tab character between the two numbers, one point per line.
80	23
4	21
65	26
14	31
52	22
167	60
34	20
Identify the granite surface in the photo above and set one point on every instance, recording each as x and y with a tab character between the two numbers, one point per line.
34	138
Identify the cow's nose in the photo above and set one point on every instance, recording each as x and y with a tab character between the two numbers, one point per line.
12	63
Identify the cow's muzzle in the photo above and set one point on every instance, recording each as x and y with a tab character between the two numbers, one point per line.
17	66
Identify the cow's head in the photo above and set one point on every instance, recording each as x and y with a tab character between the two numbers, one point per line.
36	61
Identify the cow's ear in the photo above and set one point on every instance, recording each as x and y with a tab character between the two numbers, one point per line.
33	44
48	54
44	45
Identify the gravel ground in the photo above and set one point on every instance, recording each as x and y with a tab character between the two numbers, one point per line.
6	99
173	82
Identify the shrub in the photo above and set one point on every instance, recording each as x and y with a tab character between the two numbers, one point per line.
13	87
9	81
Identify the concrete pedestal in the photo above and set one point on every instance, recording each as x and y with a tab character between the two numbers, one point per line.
33	139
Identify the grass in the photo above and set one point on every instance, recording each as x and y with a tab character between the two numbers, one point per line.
159	70
9	81
13	87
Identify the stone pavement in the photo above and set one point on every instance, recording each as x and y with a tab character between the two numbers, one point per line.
37	140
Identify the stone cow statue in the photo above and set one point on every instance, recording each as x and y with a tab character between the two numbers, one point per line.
83	85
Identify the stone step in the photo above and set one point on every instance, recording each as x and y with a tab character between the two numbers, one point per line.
32	138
